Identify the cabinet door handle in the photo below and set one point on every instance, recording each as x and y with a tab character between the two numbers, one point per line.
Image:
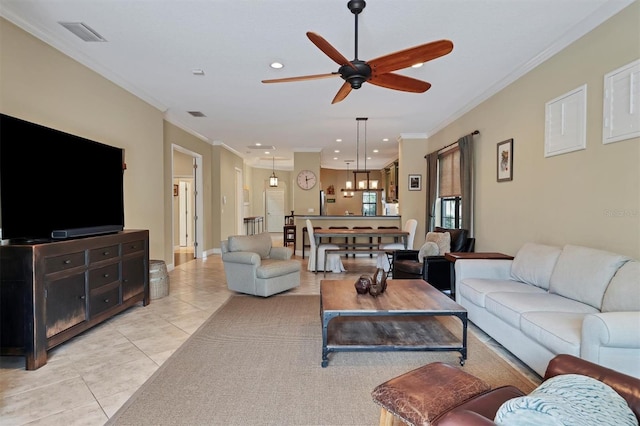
105	253
106	300
106	275
66	262
82	297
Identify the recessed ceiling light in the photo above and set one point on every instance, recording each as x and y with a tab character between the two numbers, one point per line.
337	151
338	140
335	158
267	152
417	65
375	151
258	144
197	71
276	65
385	140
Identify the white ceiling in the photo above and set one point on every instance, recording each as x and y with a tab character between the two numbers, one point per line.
153	46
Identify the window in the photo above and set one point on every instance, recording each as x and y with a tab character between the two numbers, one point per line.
369	203
449	190
451	212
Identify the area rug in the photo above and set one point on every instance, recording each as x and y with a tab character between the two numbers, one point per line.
257	361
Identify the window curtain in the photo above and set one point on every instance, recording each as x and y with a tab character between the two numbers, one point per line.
465	144
431	186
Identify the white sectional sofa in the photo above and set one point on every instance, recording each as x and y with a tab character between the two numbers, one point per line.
551	300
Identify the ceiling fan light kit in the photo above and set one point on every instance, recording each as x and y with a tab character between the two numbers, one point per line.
379	71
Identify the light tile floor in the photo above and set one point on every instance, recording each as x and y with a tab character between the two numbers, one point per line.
87	379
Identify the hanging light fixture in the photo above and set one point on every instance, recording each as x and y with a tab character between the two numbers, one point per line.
273	180
347	191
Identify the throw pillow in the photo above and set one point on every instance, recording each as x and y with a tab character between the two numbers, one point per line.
442	239
568	400
428	249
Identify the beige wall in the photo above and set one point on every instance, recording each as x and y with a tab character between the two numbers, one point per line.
305	201
589	197
41	85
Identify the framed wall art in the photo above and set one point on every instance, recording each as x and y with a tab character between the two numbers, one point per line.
505	160
175	190
415	182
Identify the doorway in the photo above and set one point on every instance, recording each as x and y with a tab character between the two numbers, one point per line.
187	230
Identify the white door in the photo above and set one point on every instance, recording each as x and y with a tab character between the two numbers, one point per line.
186	214
275	210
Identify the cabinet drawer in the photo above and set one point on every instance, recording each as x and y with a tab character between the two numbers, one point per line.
103	299
105	275
102	253
132	247
66	261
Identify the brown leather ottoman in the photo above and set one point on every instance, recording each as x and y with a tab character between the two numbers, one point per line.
419	396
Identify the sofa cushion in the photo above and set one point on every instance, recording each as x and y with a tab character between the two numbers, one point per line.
583	273
568	399
560	332
509	306
259	243
476	289
458	238
270	268
623	292
442	239
533	264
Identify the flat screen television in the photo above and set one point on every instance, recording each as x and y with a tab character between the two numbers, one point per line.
54	185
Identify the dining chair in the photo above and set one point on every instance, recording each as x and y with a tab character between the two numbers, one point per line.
334	262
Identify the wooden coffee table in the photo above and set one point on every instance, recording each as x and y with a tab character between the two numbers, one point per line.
400	319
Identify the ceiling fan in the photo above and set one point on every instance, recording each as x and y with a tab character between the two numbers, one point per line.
377	71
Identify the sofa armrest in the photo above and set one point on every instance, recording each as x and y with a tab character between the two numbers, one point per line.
626	386
613	329
280	253
244	257
463	418
499	269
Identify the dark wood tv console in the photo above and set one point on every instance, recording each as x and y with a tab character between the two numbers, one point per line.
53	291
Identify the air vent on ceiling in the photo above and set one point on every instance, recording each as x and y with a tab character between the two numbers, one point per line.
83	31
196	113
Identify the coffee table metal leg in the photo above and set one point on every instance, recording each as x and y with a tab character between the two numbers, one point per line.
463	350
325	325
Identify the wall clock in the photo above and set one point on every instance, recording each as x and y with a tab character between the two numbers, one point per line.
307	179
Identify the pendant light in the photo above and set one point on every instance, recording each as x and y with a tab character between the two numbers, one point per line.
347	192
273	180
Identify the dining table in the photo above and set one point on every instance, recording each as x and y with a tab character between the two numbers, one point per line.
354	248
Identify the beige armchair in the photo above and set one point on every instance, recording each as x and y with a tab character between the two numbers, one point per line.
253	266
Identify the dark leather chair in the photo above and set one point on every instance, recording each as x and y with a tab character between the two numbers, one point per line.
436	270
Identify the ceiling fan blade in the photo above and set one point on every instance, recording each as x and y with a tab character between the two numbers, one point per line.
328	49
400	82
342	93
414	55
301	78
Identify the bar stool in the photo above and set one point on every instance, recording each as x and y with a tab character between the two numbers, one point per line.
290	236
346	239
370	238
305	237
